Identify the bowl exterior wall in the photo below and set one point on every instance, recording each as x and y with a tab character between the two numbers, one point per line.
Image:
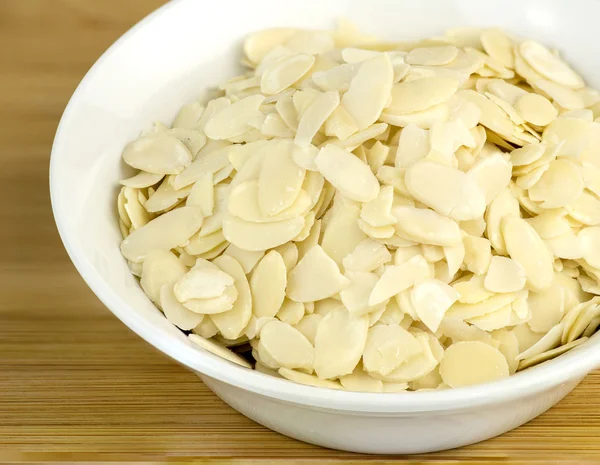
387	434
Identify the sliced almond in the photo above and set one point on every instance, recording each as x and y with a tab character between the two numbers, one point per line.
417	366
347	173
280	179
427	226
315	116
536	109
206	329
245	258
164	232
565	97
175	312
260	236
503	205
447	190
590	242
397	278
495	320
432	56
267	285
367	256
421	94
202	195
387	347
232	323
315	277
369	91
286	346
291	312
472	362
377	212
586	209
142	180
361	381
339	343
308	326
465	311
212	158
549	65
498	46
504	275
202	283
309	380
561	185
492	174
424	119
283	74
549	341
525	246
212	306
233	120
158	154
431	299
472	291
355	296
160	267
550	354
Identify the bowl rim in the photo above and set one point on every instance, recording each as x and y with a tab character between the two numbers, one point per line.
570	366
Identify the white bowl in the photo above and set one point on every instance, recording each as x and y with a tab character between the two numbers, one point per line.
166	61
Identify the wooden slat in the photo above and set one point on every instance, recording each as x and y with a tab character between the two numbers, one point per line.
75	384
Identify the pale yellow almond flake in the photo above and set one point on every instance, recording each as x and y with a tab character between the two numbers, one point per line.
285	73
504	275
164	232
498	46
550	354
232	323
315	277
339	343
549	341
525	246
347	173
369	91
421	94
267	285
431	299
447	190
432	56
549	65
309	380
397	278
472	290
361	381
291	312
561	185
157	154
472	362
427	226
285	345
212	306
368	255
387	347
175	312
355	296
315	116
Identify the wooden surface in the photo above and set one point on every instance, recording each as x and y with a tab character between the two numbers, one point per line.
75	384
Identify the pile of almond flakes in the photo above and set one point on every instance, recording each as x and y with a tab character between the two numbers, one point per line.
376	216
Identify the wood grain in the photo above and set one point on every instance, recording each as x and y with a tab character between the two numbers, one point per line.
75	384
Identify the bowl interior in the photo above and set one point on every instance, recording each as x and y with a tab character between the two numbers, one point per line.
186	46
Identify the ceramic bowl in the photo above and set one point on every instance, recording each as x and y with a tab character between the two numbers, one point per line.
166	61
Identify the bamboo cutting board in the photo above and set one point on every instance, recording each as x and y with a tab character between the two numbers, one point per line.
75	384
